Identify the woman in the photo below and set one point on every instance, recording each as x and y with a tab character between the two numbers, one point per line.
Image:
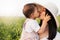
51	29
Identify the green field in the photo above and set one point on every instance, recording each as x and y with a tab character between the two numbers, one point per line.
11	27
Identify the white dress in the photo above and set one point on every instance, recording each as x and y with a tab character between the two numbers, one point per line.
56	38
30	29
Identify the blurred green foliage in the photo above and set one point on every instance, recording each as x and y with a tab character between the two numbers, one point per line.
11	27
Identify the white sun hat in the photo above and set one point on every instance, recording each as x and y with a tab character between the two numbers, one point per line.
52	8
49	5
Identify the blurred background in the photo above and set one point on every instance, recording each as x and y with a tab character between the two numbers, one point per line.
12	18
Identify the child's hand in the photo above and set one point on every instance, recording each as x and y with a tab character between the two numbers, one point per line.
47	18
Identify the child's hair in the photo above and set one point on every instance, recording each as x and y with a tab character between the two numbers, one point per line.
52	26
29	9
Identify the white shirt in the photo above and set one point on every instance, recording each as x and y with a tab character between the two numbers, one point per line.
30	29
31	25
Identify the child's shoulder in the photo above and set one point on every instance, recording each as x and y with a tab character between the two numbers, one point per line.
30	20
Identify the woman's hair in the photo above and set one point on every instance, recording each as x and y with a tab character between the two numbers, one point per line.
52	26
29	9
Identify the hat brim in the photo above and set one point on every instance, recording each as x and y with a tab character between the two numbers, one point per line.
53	9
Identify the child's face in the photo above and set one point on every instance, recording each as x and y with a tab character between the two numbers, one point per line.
36	13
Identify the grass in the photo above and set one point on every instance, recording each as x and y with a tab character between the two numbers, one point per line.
11	27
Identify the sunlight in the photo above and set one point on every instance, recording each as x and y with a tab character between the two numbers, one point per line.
14	7
8	7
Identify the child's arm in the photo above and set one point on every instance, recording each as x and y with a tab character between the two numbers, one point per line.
42	27
44	24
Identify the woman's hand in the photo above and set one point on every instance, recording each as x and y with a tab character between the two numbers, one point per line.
47	18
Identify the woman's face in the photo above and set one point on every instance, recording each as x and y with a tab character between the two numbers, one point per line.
42	13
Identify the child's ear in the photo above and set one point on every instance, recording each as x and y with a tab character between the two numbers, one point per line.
32	14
